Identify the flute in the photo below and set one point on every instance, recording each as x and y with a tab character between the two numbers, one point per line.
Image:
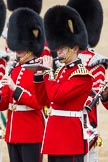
39	60
96	98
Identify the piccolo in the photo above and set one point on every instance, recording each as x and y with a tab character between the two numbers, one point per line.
96	98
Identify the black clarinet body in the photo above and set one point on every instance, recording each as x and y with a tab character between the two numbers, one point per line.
96	98
93	103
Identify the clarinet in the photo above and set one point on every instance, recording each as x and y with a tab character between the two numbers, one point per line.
11	68
96	98
13	65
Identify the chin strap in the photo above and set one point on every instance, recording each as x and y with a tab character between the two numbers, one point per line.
25	57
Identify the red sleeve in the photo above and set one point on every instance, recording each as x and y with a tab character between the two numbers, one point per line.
23	98
62	92
41	94
98	72
29	100
99	75
4	98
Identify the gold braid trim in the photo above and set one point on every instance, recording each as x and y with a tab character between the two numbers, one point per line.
57	72
25	57
81	71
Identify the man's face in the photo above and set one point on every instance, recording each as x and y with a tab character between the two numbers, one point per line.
61	53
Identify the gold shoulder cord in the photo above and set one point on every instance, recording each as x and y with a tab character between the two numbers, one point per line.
26	56
81	71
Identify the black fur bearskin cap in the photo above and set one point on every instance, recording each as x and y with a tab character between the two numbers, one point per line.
2	15
64	27
25	31
35	5
92	14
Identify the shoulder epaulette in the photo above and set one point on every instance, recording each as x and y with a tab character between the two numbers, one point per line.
81	71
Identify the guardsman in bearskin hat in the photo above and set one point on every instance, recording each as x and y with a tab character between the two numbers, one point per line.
25	124
12	5
67	88
92	14
35	5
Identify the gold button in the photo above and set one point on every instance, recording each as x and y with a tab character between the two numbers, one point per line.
13	107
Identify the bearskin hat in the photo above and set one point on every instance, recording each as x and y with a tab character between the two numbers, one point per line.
25	31
92	14
35	5
64	27
2	15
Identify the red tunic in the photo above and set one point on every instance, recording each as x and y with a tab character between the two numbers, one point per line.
96	64
22	126
64	135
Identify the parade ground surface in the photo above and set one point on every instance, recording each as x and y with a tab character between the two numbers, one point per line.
101	48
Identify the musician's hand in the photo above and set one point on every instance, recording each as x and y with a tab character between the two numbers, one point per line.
7	80
39	60
48	61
